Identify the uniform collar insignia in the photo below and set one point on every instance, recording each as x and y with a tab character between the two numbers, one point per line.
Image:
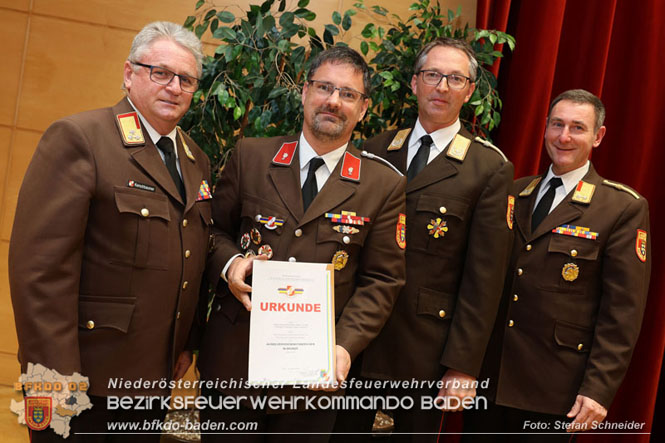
188	153
130	129
458	147
399	140
350	167
583	192
285	155
530	187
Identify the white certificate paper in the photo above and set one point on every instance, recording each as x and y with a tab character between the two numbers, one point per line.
292	323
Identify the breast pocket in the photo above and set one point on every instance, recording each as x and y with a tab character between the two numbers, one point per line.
143	227
439	225
574	259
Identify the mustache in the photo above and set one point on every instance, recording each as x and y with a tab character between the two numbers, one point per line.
331	110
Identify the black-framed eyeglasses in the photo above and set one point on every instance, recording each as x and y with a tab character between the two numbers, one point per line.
163	76
325	89
433	78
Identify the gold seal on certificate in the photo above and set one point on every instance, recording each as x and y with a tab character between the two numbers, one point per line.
292	324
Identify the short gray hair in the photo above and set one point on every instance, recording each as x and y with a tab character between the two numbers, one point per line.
582	97
166	30
448	42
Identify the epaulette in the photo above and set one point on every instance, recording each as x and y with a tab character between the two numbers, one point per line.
491	146
380	160
621	187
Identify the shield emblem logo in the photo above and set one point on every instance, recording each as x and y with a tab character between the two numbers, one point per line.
37	412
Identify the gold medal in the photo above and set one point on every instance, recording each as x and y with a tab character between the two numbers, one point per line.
570	271
340	259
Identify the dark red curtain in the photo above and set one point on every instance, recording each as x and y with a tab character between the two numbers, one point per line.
613	48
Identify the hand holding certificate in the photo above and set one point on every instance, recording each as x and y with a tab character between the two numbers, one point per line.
292	324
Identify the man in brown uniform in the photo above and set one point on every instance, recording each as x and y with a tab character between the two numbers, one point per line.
297	182
575	292
459	229
111	234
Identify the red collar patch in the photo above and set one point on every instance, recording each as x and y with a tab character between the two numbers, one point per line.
350	167
285	155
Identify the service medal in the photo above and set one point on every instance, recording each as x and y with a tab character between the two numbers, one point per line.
340	259
570	271
437	228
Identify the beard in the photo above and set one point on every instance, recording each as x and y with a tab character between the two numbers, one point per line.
325	127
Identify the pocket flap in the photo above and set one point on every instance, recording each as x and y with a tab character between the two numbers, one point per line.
576	247
142	203
442	205
436	303
572	336
106	312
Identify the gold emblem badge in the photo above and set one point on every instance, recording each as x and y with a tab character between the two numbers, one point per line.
510	212
570	272
340	259
437	228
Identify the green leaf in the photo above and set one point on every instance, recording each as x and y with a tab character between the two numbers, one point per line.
493	38
199	4
479	110
364	48
226	16
197	96
332	29
286	19
225	33
189	22
200	29
282	5
346	23
277	92
368	30
303	3
210	14
305	14
237	113
336	18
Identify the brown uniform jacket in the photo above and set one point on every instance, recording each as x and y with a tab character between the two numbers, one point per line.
105	259
444	315
557	337
252	184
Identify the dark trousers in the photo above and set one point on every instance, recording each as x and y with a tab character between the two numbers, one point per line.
412	424
249	425
501	424
92	426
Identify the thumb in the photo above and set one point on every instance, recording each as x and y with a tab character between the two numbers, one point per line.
576	408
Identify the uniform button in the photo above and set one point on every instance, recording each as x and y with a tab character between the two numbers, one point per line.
90	324
298	232
177	316
573	252
520	271
511	323
292	259
580	347
187	253
257	218
515	297
184	223
145	212
184	284
443	209
528	247
442	313
346	240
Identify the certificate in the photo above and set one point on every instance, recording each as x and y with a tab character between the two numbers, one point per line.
292	324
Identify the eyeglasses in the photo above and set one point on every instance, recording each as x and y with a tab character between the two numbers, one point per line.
325	89
163	76
433	78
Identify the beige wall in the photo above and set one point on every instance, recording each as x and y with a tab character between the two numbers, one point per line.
66	56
